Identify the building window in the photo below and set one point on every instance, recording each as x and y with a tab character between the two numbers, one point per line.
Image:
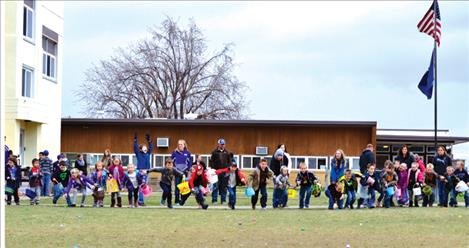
27	86
160	160
28	20
49	58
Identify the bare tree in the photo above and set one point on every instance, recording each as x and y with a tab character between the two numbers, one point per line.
166	76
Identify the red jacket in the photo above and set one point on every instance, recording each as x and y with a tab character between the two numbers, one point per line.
240	176
193	178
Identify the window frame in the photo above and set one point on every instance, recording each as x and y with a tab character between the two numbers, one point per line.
47	57
32	88
33	21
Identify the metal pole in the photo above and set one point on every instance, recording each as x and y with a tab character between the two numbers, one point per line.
435	71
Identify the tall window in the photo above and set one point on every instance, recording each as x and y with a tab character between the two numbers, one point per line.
49	58
28	20
27	86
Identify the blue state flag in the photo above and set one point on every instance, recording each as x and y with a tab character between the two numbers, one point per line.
426	83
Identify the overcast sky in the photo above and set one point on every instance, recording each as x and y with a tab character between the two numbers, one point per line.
302	60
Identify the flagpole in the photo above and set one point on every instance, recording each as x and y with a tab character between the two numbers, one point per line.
435	71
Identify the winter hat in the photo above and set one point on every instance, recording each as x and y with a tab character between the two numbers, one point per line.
46	153
221	141
278	152
233	163
60	156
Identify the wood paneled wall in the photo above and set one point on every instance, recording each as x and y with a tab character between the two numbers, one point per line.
240	139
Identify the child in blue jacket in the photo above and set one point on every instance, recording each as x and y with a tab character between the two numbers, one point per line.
133	179
13	180
143	154
99	177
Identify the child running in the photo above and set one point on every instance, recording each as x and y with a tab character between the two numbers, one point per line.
258	181
280	188
235	178
168	174
305	179
133	180
197	181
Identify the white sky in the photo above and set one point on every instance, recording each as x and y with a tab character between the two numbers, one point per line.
302	60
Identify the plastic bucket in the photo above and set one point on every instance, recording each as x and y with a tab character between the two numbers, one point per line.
184	188
291	193
249	192
417	191
146	190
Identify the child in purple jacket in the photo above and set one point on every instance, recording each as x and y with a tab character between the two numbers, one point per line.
77	184
402	196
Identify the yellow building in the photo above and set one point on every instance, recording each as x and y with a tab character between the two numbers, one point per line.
31	76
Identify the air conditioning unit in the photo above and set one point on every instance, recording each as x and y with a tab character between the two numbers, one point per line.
162	142
262	150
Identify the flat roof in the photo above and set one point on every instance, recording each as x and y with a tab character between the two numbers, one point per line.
421	139
88	121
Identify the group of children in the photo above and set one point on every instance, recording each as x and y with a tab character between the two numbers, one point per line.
398	185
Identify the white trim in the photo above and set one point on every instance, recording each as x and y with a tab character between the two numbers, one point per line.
33	22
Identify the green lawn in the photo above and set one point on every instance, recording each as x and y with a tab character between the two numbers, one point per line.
48	226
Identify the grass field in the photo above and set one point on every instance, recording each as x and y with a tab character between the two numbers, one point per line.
48	226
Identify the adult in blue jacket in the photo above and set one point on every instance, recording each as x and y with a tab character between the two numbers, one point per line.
440	162
338	166
183	162
143	154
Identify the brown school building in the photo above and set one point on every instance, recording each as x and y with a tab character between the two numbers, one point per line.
311	142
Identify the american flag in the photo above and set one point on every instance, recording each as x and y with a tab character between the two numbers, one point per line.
427	24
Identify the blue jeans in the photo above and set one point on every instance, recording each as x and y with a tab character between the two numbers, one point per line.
453	198
387	200
220	188
178	180
351	197
45	185
58	192
305	196
332	200
442	194
279	197
231	195
263	191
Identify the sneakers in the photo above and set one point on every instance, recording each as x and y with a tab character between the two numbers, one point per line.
253	207
170	206
264	208
163	203
204	207
82	205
